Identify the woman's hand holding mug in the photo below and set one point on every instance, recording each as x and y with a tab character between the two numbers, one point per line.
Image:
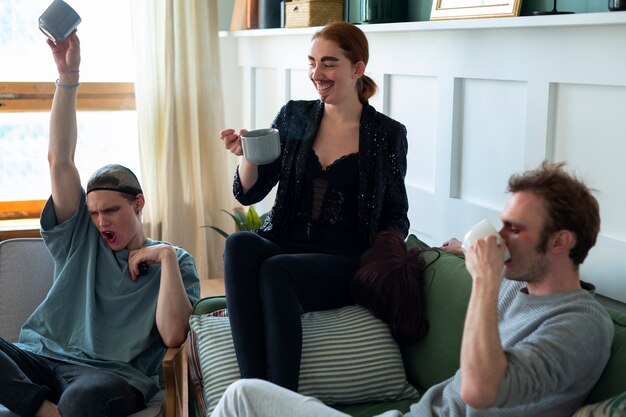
232	140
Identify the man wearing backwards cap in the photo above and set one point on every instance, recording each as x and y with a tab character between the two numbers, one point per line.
94	346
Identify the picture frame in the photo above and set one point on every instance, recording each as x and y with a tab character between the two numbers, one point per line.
472	9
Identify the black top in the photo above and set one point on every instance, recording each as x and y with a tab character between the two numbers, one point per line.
381	198
327	215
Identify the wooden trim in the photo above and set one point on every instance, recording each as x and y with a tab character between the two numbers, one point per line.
13	214
175	365
14	234
34	96
26	209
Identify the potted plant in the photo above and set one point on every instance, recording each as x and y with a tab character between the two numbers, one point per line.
249	220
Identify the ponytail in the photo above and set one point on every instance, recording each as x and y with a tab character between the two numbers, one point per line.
366	88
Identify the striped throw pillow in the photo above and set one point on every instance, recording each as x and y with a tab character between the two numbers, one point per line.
195	369
613	407
348	357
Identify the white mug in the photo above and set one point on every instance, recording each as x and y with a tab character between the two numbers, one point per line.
480	230
261	146
59	20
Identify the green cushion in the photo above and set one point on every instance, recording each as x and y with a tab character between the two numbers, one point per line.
613	380
448	284
613	407
208	305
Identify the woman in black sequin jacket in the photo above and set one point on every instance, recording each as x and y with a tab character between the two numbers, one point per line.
382	199
340	181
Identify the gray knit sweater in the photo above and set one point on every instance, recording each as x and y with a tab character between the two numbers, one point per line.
556	347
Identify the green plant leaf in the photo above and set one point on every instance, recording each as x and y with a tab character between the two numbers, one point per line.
240	215
218	230
243	221
252	218
237	218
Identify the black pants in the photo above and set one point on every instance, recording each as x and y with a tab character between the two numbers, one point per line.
27	379
267	286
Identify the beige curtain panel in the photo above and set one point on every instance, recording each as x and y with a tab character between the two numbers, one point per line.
180	113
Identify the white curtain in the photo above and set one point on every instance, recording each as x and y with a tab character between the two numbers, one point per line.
180	112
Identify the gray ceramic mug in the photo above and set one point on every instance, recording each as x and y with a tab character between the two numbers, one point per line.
261	146
59	20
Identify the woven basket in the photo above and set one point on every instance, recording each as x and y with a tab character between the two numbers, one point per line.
305	13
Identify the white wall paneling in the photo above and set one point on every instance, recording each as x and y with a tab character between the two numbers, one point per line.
270	90
481	99
589	131
491	139
414	101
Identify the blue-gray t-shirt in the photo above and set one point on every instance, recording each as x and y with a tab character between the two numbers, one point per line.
95	314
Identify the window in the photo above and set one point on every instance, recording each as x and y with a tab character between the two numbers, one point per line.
107	126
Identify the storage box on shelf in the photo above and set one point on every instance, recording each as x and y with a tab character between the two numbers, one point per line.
305	13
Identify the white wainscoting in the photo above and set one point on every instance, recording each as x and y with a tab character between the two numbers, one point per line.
481	99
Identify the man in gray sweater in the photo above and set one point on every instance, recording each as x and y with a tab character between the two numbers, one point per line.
534	343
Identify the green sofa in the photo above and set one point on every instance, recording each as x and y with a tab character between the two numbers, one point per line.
436	357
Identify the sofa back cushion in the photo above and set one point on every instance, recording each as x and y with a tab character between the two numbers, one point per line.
26	272
612	380
448	284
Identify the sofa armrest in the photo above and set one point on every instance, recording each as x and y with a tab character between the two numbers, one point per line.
175	373
209	305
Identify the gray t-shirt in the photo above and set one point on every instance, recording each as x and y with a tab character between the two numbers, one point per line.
556	347
95	314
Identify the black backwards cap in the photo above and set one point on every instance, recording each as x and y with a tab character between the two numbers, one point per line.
114	177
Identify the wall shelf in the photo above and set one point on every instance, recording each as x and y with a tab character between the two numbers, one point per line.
570	20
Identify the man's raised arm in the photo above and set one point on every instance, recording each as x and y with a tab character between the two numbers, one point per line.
63	131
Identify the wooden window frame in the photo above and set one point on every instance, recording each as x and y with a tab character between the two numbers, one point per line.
23	209
37	97
34	96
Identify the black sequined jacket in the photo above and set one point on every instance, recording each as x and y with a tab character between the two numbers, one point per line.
382	199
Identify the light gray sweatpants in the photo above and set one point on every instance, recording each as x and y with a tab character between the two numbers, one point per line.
258	398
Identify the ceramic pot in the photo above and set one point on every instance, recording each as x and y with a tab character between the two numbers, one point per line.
269	14
376	11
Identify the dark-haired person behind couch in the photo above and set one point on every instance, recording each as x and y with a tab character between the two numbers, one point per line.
390	283
534	343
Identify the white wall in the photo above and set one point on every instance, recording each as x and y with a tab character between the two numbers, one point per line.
481	99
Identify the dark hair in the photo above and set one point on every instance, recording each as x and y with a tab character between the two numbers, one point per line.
569	205
354	44
390	283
